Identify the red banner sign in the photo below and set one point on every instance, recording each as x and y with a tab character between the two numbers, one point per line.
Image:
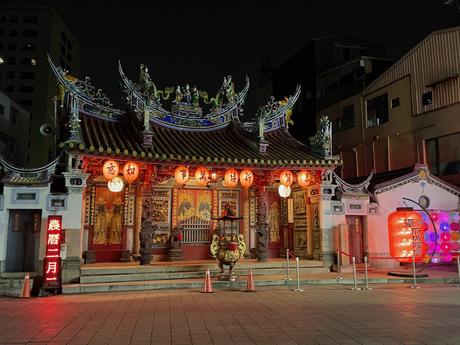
52	262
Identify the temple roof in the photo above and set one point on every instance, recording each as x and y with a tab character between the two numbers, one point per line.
226	146
197	129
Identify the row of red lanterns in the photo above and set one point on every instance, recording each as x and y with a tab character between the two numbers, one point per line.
203	176
304	178
110	170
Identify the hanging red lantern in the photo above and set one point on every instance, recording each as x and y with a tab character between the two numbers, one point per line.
202	176
130	172
286	178
246	178
110	169
181	174
303	178
406	234
231	178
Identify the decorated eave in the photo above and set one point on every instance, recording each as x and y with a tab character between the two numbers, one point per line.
147	131
14	175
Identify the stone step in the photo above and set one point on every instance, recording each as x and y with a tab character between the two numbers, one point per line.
189	274
324	279
164	267
12	287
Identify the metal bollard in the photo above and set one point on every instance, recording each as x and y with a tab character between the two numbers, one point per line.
298	274
338	277
414	286
458	269
366	276
287	266
355	287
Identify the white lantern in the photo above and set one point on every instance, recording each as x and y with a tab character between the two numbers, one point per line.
284	191
115	185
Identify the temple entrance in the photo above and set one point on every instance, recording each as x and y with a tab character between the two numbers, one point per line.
355	237
23	240
107	233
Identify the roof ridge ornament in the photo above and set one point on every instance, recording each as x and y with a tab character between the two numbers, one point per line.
321	142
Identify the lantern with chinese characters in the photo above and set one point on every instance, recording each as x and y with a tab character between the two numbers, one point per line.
406	234
130	172
202	176
52	260
181	174
110	169
286	178
303	178
246	178
231	178
284	191
116	185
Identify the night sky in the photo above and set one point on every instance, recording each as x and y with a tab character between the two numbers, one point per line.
199	42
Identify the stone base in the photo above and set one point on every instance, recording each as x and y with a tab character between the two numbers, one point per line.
125	255
175	254
71	270
145	259
227	277
90	257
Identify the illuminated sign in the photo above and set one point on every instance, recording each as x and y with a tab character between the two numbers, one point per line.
52	261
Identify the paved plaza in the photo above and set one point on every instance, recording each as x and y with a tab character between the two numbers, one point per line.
390	314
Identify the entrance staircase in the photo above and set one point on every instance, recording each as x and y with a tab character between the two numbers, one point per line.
11	283
163	275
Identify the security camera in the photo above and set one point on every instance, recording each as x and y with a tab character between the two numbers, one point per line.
46	130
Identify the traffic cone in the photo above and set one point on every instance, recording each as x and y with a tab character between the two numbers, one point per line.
207	283
26	287
250	285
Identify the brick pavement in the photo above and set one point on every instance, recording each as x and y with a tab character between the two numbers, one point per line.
320	315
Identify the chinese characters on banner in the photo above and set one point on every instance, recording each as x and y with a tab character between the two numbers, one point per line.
52	261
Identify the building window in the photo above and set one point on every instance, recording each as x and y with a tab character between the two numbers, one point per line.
9	88
11	46
377	110
427	98
14	19
10	75
11	61
443	155
346	53
26	102
2	110
29	33
2	19
2	32
395	102
30	19
28	61
13	33
348	117
29	46
26	88
27	75
13	114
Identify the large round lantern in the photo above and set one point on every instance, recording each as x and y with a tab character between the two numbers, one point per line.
181	174
286	178
231	178
303	178
202	176
284	191
110	169
115	185
406	234
246	178
130	172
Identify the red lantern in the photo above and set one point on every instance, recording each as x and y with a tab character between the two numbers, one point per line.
303	178
231	178
406	234
181	174
202	176
130	172
110	169
246	178
286	178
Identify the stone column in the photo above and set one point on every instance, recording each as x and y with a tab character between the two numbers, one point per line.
326	192
262	224
73	224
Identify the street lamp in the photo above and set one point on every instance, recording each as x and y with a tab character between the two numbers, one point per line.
1	60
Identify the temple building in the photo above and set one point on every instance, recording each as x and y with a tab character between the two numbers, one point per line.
171	159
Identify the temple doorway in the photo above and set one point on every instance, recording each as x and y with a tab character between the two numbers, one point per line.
23	240
355	237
